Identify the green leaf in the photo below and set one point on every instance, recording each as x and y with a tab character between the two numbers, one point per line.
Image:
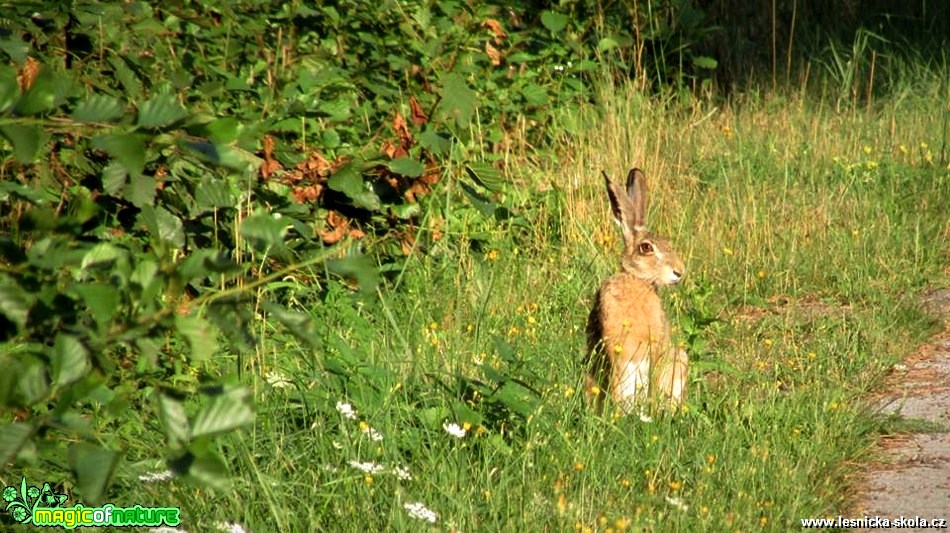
127	148
405	211
517	398
100	254
329	138
32	382
300	325
224	412
224	130
487	176
9	88
458	100
346	180
14	302
159	111
26	140
140	191
554	22
607	43
205	261
359	267
97	108
405	166
126	76
213	192
48	91
149	282
12	437
486	206
435	143
70	359
174	419
210	470
201	336
705	62
264	230
535	94
92	466
113	178
102	300
13	46
337	110
163	225
223	155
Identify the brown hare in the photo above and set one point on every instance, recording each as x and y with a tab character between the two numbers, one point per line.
631	356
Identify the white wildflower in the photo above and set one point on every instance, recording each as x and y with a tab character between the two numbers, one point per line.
346	410
369	468
454	429
677	502
155	477
277	380
645	418
420	511
166	529
402	473
230	527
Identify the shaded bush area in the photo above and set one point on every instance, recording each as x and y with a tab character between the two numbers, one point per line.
774	41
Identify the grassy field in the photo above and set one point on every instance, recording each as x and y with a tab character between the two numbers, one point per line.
807	234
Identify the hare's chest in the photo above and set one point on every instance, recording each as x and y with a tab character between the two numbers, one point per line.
631	309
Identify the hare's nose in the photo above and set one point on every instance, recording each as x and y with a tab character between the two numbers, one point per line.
677	275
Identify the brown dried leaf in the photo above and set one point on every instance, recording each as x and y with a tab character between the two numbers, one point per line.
402	131
493	54
338	227
391	179
415	190
419	116
28	73
270	165
315	164
407	240
431	174
496	29
392	151
307	193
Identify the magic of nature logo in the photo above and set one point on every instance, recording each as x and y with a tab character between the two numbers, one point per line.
44	507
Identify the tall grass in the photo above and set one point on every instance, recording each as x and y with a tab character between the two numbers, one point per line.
806	232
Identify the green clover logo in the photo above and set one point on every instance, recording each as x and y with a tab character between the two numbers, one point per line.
23	502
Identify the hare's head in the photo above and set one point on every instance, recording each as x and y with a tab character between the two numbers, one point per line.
647	256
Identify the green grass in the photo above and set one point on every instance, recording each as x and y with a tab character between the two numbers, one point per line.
807	235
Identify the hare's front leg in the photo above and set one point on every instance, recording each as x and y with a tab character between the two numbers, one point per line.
629	382
672	373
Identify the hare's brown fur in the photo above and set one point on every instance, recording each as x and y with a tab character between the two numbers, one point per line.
631	353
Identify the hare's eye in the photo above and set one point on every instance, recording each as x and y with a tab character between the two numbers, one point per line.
646	248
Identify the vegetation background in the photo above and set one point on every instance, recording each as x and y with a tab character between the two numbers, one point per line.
306	266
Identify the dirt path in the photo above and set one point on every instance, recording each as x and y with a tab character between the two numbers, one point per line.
914	480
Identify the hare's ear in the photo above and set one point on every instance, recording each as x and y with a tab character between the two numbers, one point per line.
637	195
622	210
